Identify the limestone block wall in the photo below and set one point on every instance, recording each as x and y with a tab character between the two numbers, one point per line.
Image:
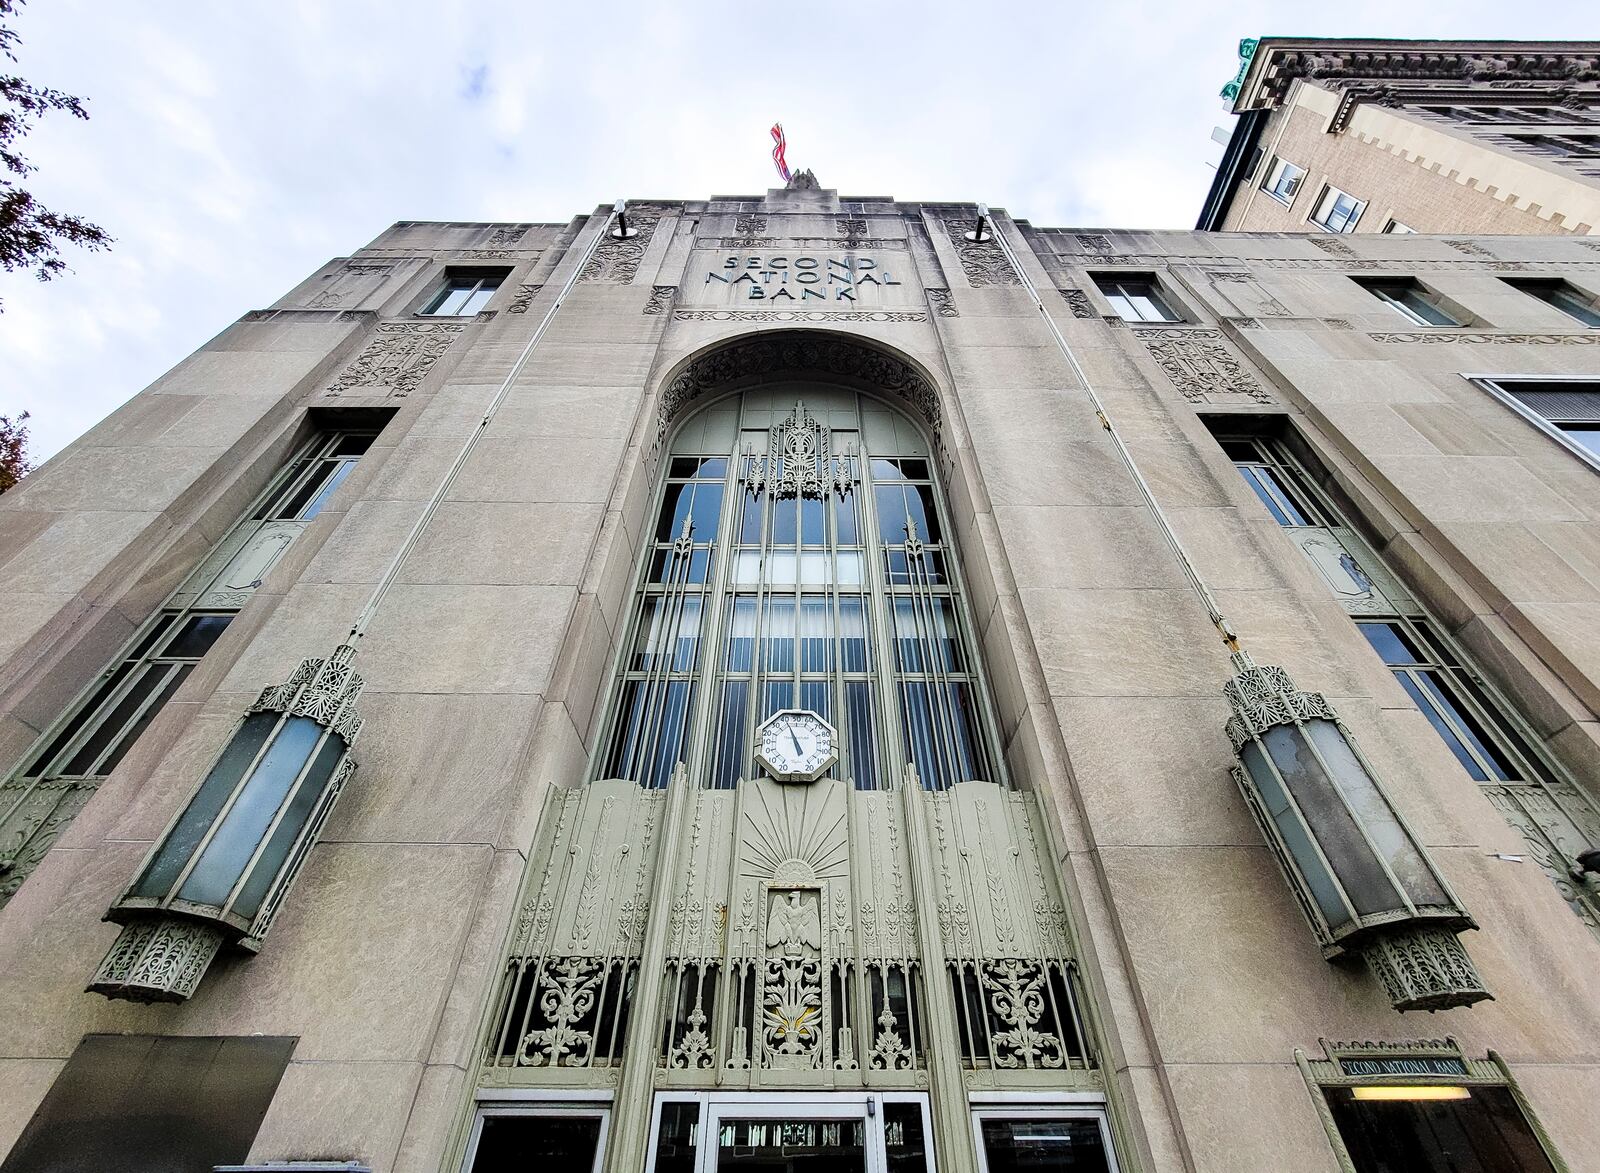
487	664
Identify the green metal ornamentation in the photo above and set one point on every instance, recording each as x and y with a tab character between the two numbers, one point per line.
1247	52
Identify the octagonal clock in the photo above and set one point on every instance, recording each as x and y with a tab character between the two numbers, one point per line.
796	745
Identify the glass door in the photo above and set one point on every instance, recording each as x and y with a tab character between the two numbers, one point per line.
821	1133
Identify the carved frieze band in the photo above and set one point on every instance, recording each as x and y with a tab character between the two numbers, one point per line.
1492	339
985	263
798	315
1291	264
863	243
398	357
1201	366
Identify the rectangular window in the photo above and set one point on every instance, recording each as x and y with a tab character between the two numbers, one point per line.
1394	228
1337	211
1021	1138
464	293
1445	694
1570	300
512	1138
1136	298
1282	180
1567	410
1411	298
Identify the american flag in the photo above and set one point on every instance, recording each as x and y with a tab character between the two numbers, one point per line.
777	151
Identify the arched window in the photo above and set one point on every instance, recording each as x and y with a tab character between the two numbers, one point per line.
800	559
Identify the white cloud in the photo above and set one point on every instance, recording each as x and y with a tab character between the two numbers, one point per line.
236	147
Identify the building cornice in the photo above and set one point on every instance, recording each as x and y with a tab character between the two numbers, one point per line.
1278	62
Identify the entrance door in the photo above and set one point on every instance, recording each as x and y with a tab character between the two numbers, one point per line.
838	1133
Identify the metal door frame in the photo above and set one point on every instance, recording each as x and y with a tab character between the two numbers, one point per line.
772	1104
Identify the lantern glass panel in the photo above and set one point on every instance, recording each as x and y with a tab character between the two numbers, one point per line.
1330	820
288	830
224	859
1324	889
203	808
1383	827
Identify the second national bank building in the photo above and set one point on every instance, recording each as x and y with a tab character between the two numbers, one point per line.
806	682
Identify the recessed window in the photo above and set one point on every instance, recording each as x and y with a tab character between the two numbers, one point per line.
463	294
1568	299
1394	228
1337	211
1565	409
1136	299
1410	297
1282	180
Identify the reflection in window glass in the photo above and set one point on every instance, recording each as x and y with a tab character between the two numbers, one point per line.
905	1146
824	555
1485	1132
676	1143
1031	1145
515	1144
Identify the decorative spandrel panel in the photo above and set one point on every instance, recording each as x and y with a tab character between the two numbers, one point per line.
565	998
783	918
233	571
1357	578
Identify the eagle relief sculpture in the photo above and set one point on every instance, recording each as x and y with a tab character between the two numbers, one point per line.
792	992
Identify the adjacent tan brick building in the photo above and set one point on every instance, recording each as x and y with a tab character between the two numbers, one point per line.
1455	137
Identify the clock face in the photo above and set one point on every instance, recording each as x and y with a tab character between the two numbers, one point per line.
796	745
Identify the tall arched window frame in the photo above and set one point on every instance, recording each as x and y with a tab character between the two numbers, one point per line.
800	558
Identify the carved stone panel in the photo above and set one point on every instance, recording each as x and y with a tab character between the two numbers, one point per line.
660	298
1246	295
616	262
398	357
984	263
1078	302
523	299
940	300
1201	366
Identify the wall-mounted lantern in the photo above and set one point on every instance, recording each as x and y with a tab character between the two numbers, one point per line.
223	867
1359	874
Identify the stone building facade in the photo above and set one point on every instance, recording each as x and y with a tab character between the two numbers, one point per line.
1452	137
769	657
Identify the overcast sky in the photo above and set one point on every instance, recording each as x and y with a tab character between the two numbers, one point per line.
235	147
